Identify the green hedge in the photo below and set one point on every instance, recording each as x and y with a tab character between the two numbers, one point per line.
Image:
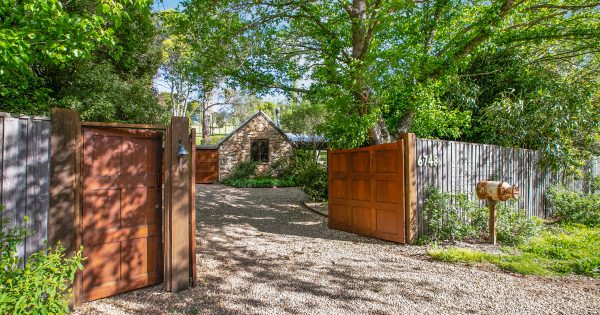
259	182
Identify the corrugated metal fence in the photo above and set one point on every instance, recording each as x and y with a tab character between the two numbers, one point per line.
25	180
456	167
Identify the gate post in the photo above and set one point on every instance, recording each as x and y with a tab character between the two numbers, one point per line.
177	206
64	219
410	186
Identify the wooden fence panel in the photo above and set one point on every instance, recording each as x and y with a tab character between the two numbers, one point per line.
25	170
456	167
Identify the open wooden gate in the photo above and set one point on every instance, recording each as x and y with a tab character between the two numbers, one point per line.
366	191
121	210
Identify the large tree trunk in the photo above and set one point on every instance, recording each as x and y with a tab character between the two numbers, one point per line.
378	133
205	123
406	121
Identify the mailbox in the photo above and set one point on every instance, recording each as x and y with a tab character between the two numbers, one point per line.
496	191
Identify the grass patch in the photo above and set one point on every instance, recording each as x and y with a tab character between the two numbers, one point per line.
555	251
259	182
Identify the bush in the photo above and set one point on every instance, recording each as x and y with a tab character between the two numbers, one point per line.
513	226
245	169
313	182
445	216
455	218
42	286
245	176
574	207
259	182
310	175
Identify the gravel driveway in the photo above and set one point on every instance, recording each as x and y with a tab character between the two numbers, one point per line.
260	252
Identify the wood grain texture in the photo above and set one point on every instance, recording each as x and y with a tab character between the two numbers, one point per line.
179	205
63	145
121	213
366	191
24	169
38	183
123	126
193	275
461	165
206	166
410	185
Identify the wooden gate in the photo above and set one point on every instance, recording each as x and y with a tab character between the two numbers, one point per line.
366	191
207	166
121	215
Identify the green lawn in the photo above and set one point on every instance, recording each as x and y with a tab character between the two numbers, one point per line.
573	249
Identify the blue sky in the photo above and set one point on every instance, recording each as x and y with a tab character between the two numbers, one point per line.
164	4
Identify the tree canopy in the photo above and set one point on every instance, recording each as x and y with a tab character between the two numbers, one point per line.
96	56
385	67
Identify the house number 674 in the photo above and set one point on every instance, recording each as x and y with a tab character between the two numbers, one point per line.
427	160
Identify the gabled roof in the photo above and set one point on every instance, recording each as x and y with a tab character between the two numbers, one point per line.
308	141
259	113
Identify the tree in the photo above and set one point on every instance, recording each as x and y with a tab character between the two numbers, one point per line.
177	62
197	57
303	118
39	34
384	65
535	105
115	83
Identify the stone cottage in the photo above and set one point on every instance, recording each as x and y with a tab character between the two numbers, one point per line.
258	139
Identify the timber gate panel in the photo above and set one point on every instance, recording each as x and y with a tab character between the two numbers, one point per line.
121	215
207	166
366	191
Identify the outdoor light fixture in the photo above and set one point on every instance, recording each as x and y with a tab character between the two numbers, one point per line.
181	151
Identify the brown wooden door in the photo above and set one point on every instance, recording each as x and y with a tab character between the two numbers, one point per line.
207	166
121	210
366	191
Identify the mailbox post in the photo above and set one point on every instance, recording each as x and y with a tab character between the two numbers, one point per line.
494	191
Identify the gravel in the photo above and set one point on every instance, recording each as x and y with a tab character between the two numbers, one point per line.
260	252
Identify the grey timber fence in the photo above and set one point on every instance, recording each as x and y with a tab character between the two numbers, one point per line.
25	176
456	167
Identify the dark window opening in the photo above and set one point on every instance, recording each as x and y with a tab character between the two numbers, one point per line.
259	150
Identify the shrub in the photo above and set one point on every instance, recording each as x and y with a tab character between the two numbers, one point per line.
574	207
445	216
245	169
513	226
300	161
310	175
259	182
313	182
595	184
279	169
42	286
455	218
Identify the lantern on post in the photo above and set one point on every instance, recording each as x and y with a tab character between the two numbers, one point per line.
494	191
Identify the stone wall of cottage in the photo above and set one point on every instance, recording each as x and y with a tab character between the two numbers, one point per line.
237	147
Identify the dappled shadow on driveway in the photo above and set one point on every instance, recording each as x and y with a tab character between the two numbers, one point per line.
260	252
269	210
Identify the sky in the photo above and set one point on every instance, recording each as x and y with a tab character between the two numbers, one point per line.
165	4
